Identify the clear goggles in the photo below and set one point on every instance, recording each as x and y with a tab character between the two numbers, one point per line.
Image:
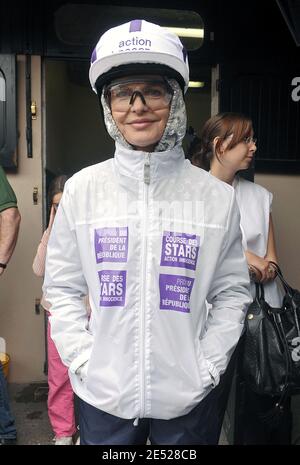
154	92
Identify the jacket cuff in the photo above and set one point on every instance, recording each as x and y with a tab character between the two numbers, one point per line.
79	361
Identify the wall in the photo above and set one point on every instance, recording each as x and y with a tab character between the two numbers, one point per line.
286	191
22	329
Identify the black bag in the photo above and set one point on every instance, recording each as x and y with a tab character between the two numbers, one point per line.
271	355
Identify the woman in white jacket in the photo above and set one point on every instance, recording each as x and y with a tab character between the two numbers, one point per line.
226	147
149	237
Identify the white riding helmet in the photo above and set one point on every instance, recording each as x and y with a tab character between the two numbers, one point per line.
123	49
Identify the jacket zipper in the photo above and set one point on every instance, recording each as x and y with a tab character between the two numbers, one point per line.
143	282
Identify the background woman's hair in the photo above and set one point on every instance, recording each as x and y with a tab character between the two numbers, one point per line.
222	126
56	187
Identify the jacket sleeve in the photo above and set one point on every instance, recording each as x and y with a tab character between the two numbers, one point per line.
64	288
229	297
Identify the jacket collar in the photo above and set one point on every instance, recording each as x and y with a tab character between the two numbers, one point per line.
160	164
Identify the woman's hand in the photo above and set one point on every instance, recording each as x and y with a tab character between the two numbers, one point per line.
260	267
272	270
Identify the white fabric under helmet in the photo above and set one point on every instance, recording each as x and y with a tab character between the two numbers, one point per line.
138	42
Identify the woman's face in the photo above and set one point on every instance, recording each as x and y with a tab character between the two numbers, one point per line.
142	123
55	201
239	157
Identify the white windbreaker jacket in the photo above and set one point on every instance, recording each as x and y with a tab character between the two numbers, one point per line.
149	238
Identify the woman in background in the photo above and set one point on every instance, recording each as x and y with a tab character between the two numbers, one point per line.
61	396
227	146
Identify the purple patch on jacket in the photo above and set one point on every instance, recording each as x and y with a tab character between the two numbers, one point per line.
112	288
180	250
175	292
111	244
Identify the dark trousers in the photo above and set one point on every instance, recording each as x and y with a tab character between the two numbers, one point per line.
7	422
258	427
200	426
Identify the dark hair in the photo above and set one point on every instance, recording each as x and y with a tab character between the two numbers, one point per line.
222	125
56	187
194	147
